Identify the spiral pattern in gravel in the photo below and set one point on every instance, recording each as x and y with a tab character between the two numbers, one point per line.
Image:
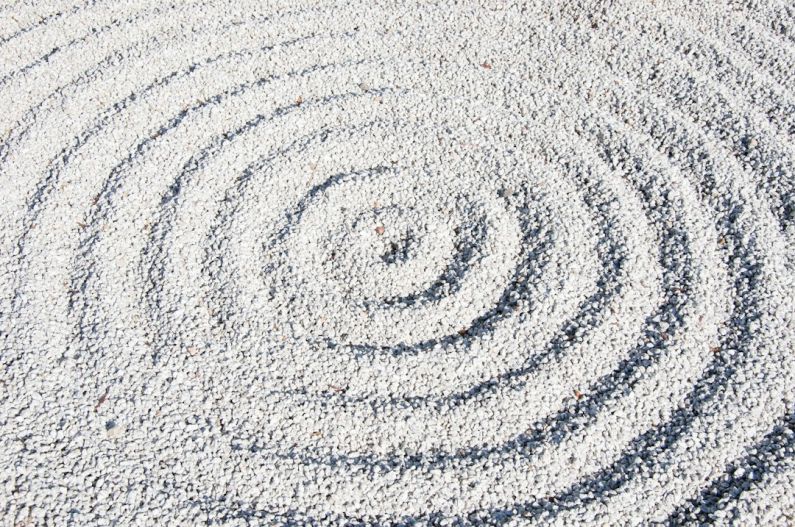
421	263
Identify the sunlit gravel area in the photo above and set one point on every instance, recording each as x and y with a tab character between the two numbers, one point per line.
397	263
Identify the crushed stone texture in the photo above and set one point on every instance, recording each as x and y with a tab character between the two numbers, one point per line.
397	263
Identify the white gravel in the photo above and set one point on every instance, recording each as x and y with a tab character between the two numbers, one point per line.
397	263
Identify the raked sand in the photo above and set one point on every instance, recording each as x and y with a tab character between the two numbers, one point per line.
397	263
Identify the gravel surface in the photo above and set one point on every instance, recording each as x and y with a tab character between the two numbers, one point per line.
397	263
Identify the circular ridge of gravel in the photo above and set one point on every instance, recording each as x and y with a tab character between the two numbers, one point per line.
425	263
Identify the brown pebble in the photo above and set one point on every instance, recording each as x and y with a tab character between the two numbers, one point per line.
102	399
379	230
486	65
